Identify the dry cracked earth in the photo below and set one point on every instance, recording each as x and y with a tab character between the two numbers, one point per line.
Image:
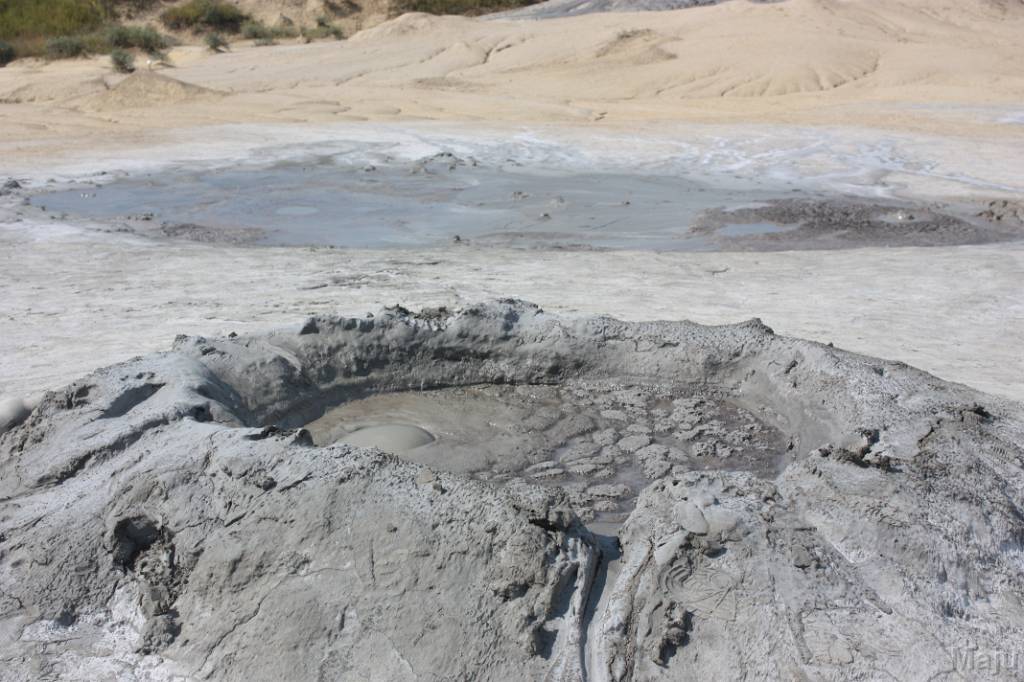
500	493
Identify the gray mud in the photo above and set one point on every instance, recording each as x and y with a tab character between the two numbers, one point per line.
446	199
775	508
843	223
602	442
554	9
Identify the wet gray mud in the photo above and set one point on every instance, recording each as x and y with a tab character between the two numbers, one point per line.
567	499
447	198
554	9
844	223
601	442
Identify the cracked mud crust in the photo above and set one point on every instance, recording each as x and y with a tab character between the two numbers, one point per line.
763	507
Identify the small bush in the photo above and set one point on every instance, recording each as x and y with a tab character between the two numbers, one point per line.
322	31
95	42
122	60
78	26
142	37
465	7
224	17
254	30
130	7
211	14
23	19
216	42
66	47
260	31
7	54
265	35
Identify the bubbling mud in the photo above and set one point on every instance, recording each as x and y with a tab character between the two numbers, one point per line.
601	442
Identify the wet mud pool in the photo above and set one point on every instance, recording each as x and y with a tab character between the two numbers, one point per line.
601	442
445	199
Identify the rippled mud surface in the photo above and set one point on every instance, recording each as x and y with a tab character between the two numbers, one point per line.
600	441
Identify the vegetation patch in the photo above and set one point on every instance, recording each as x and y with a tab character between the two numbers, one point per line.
59	29
64	29
323	29
144	38
122	60
66	47
266	35
210	15
21	19
216	42
7	53
464	7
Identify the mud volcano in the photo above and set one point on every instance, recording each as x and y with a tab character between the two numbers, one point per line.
499	493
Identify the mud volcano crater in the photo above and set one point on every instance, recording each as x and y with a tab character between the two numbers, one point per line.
497	492
601	441
595	409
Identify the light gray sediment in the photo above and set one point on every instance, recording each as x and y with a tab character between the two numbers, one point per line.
554	9
450	199
169	517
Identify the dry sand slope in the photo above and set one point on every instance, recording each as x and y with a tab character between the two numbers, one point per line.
801	61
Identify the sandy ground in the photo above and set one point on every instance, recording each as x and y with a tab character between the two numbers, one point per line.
950	68
912	98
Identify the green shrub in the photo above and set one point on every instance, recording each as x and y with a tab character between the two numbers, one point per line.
7	54
96	42
77	26
37	18
143	37
255	30
122	60
265	35
216	42
466	7
210	14
66	47
323	30
131	6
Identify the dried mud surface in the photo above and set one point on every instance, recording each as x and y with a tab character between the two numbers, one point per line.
774	508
